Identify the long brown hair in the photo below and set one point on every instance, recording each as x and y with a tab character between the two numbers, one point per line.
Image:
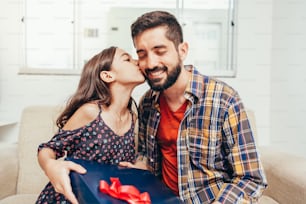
90	87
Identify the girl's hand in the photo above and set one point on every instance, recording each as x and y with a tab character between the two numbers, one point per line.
58	174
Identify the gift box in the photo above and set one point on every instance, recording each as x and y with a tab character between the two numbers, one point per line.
86	186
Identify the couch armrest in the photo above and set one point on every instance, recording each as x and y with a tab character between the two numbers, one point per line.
286	175
8	169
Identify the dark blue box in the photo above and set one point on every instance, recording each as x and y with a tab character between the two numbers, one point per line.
86	186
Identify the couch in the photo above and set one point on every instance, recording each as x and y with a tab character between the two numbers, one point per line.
21	179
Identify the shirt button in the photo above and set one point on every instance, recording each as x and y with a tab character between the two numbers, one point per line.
151	160
157	113
152	137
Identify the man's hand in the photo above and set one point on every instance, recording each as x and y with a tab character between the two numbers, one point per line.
58	174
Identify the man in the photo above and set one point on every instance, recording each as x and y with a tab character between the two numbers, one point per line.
193	129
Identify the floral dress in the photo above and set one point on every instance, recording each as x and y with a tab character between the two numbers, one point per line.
96	142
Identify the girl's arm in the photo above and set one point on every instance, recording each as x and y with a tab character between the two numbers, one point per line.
58	172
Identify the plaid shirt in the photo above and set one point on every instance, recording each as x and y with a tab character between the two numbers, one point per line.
216	152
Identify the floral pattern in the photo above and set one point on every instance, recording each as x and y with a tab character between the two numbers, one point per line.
96	142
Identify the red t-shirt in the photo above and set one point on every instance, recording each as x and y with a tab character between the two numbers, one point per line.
167	137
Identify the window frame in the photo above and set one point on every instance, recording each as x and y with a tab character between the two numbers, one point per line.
231	53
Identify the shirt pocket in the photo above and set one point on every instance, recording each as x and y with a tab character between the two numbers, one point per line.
204	145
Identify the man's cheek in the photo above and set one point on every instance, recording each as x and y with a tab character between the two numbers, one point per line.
142	67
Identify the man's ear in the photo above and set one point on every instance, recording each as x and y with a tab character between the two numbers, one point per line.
183	50
107	76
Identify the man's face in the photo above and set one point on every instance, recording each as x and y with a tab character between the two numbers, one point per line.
158	58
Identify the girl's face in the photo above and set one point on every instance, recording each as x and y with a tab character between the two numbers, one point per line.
126	68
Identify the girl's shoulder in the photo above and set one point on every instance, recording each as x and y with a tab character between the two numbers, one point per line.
83	116
90	109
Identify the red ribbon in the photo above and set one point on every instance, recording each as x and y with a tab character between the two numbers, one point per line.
128	193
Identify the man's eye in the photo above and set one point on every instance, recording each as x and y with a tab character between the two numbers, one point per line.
127	59
141	55
161	52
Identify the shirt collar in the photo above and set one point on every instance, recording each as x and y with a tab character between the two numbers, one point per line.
195	87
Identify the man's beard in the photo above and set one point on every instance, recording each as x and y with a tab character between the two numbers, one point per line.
171	78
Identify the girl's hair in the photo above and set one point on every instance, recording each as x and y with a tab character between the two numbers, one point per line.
90	87
159	18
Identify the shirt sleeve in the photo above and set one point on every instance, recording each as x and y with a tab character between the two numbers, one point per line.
248	179
141	130
62	142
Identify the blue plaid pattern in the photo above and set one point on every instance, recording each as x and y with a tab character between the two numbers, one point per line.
217	155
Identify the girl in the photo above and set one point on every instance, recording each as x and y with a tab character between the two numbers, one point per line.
96	124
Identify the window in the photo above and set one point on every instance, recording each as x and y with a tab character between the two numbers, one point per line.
49	30
60	36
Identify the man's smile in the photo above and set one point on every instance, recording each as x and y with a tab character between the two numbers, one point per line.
156	72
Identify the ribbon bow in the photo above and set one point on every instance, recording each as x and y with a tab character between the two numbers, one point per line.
128	193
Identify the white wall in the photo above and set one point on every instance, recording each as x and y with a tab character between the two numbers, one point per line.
18	91
256	81
254	62
288	79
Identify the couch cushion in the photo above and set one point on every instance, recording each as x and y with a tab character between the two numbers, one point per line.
266	200
8	169
285	175
21	198
37	125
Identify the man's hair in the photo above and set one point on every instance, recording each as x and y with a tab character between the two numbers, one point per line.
159	18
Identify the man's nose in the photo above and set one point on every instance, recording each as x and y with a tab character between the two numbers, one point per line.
152	61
